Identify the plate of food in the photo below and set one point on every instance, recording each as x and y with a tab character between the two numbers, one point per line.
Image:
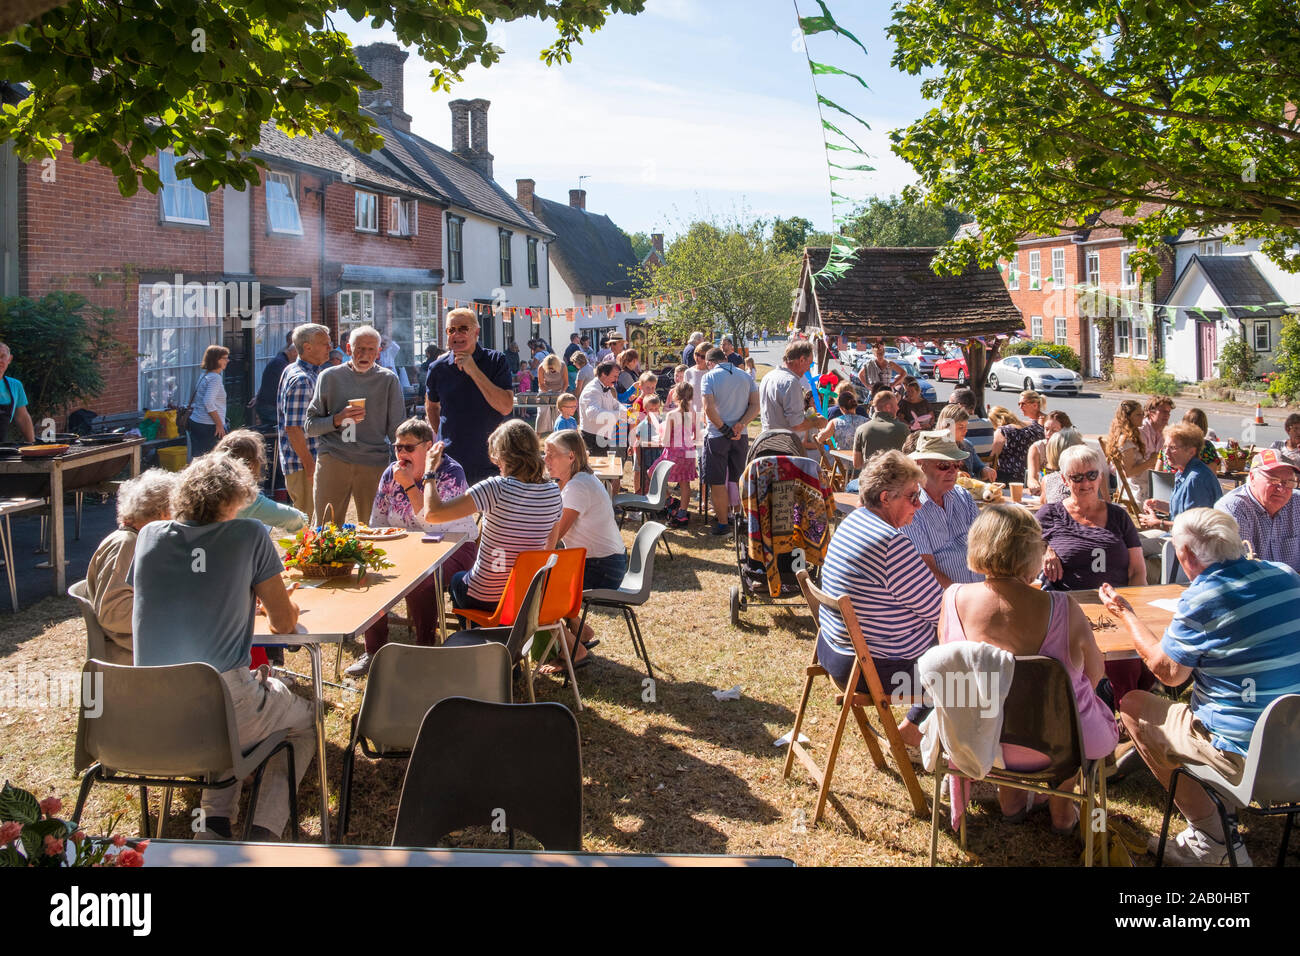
42	451
380	534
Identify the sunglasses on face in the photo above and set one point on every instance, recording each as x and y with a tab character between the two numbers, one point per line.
944	466
458	329
1084	476
407	447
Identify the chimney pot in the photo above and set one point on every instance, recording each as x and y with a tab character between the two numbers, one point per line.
383	61
459	127
524	189
578	198
657	241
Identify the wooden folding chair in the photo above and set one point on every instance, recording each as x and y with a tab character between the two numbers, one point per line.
849	702
1124	493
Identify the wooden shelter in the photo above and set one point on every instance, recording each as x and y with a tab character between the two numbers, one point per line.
892	293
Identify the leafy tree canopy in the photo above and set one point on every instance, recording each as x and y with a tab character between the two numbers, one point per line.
742	282
789	236
1052	111
899	222
119	79
641	244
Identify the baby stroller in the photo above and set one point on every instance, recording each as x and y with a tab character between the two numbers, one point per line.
786	522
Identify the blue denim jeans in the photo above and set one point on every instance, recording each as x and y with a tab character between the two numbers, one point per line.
606	572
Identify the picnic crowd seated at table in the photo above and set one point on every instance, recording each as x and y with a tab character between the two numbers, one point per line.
1267	508
956	420
882	432
1054	486
140	501
894	593
520	508
197	580
1003	609
1126	444
1036	463
843	420
1195	486
1227	627
1013	437
249	447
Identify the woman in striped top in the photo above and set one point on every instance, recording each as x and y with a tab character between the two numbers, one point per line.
207	424
896	598
520	508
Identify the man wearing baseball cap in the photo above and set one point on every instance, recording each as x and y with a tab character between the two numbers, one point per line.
942	522
1267	508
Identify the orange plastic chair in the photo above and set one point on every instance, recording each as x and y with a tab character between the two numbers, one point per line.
562	599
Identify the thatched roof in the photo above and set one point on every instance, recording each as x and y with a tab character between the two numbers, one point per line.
893	292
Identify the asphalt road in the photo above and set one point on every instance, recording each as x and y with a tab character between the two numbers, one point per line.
1092	411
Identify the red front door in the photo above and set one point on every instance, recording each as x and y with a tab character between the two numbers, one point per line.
1207	351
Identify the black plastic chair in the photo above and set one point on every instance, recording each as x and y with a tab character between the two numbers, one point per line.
512	766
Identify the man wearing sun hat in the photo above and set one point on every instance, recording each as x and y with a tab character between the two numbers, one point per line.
1267	508
942	522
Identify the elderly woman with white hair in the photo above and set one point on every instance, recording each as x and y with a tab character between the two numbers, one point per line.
140	501
1091	542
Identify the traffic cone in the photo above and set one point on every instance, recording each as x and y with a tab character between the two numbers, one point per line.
1259	414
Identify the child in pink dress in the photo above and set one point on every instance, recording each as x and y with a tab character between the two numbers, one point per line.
680	429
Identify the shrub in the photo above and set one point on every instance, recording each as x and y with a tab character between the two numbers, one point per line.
1159	382
1062	353
1237	361
1285	384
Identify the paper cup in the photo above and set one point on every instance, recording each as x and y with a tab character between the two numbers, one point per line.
358	402
1017	491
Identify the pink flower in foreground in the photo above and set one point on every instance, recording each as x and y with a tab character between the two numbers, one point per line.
51	806
119	840
141	846
9	832
129	857
52	846
78	836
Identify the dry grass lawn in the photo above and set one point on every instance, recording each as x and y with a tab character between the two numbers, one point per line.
683	773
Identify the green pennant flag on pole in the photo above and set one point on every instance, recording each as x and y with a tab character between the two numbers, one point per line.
811	25
826	68
825	101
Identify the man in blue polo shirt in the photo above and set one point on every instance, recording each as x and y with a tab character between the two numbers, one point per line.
1235	634
731	402
1195	486
468	394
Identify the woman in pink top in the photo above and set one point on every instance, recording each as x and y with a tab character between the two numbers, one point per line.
1006	546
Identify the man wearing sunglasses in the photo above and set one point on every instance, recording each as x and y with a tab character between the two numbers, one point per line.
1267	507
468	394
943	520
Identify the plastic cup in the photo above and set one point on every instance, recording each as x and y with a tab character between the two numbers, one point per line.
1017	491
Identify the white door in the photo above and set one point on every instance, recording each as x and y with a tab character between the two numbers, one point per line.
1094	350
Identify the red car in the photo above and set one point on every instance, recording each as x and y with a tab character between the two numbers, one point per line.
952	369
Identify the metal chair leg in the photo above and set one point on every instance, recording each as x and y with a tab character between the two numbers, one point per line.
1169	812
1286	840
78	498
144	811
345	788
7	540
88	781
163	812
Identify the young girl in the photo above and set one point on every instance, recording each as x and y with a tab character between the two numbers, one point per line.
679	376
524	379
648	432
567	405
679	434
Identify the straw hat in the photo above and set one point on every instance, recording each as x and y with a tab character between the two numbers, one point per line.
937	446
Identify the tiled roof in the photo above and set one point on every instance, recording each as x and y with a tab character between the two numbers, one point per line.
325	152
592	254
460	183
1240	285
1106	224
893	292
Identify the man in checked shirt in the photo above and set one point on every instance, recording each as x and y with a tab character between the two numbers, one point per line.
297	384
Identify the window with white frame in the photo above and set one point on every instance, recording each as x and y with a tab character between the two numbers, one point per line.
366	206
1061	331
503	240
424	323
282	214
356	307
1141	338
1058	267
1263	336
1013	271
181	199
1036	326
1035	269
401	216
532	262
1210	247
171	345
1128	277
455	248
277	321
1123	335
1093	268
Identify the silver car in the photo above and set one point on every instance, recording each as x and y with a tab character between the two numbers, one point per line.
1037	372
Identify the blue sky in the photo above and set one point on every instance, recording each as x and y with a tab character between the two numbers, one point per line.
689	109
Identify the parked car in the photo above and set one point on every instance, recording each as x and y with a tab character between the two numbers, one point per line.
952	369
928	358
1039	372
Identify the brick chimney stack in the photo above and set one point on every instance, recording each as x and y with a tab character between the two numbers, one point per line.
469	134
578	198
383	61
657	241
524	189
459	128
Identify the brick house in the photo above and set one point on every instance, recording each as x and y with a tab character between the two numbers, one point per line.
331	235
1076	288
